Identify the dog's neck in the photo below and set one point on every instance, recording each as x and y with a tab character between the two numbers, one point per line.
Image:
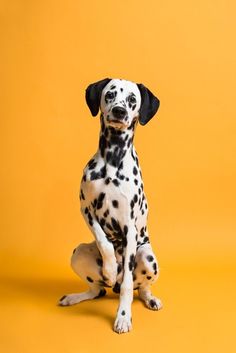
115	145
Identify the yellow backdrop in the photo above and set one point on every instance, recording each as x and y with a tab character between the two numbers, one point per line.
183	51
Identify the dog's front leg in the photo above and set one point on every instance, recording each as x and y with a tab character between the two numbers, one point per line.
123	322
109	268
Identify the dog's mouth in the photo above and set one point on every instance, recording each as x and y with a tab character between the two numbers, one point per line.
117	124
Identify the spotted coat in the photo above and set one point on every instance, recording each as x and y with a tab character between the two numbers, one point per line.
113	201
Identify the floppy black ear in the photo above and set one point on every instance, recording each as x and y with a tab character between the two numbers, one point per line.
93	95
149	104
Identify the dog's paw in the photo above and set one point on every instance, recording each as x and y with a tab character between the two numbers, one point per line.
122	323
69	299
109	272
154	303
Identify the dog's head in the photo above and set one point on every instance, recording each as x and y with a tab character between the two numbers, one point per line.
121	102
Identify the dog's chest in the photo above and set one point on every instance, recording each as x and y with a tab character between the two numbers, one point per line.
109	190
115	183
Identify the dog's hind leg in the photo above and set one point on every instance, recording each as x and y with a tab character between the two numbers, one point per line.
145	274
150	301
75	298
86	262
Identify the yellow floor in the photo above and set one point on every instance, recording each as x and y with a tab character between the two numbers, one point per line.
198	314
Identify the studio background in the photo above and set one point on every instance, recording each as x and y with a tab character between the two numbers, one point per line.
184	52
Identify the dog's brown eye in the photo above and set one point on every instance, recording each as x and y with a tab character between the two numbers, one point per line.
109	95
132	99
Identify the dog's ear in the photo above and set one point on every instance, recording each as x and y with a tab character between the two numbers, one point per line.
149	104
93	95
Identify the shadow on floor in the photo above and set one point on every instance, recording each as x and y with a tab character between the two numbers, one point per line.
45	293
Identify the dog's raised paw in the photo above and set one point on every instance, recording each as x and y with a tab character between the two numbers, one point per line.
110	272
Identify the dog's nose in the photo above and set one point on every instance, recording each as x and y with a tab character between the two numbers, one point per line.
119	112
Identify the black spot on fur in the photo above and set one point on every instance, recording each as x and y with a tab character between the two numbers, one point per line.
119	268
94	175
103	172
129	142
142	232
90	218
100	200
92	164
115	224
125	230
107	181
123	313
120	176
109	226
120	251
94	203
108	156
99	262
102	222
102	293
150	258
131	262
152	303
115	203
89	279
115	182
124	242
82	194
117	140
64	296
135	171
116	288
106	213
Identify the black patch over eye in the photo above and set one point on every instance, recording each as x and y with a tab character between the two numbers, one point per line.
132	99
109	95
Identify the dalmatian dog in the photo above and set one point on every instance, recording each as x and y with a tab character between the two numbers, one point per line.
114	205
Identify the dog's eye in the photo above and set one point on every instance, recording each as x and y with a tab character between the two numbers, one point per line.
132	99
109	95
